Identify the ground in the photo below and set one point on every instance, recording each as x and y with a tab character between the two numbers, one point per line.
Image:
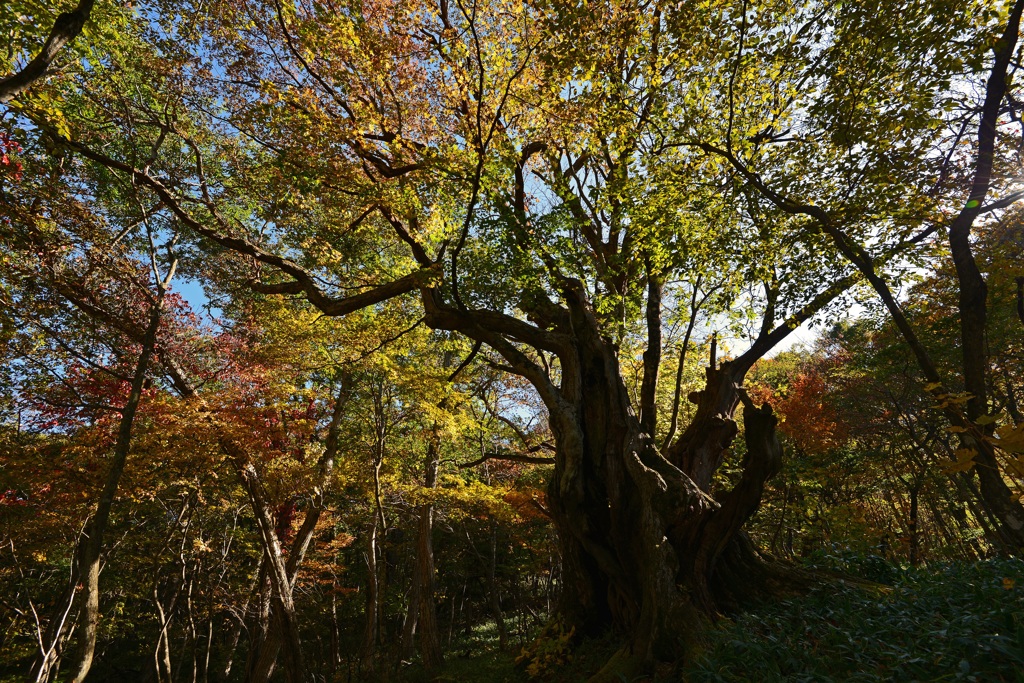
942	623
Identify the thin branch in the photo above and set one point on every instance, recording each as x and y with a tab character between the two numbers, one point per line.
513	457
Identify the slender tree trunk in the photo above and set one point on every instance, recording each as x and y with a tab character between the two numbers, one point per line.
162	653
62	624
258	631
280	624
912	525
373	610
236	635
335	653
494	597
429	637
412	612
282	606
91	547
371	626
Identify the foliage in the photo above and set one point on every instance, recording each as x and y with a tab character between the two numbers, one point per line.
948	622
412	224
549	653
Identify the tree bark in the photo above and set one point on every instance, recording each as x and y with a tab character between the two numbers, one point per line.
371	625
648	551
494	599
278	625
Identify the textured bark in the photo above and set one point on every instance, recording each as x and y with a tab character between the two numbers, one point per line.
647	550
277	625
282	607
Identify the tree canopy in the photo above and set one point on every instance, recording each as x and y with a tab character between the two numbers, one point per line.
500	265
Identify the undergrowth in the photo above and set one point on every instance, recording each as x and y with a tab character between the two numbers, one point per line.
962	622
955	623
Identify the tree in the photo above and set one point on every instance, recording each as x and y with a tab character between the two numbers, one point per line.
828	209
549	182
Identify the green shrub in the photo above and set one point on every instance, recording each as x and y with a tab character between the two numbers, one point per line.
954	623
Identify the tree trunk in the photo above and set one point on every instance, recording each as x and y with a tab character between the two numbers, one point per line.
412	612
429	637
371	625
281	625
91	547
61	627
492	586
647	550
912	526
282	607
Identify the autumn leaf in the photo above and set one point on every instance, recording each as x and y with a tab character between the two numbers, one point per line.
964	461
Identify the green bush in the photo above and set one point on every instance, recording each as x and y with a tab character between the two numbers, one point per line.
953	623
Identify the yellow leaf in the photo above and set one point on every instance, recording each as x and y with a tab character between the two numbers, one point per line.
1016	465
1011	438
964	461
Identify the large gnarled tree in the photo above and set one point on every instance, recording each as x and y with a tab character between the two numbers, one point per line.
558	183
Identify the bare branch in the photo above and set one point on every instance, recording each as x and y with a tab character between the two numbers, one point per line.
514	457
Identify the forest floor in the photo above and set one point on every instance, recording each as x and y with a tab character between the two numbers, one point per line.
961	622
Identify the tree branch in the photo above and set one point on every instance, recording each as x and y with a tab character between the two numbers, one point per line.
65	29
514	457
303	281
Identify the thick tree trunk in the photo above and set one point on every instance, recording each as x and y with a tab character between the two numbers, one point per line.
647	549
